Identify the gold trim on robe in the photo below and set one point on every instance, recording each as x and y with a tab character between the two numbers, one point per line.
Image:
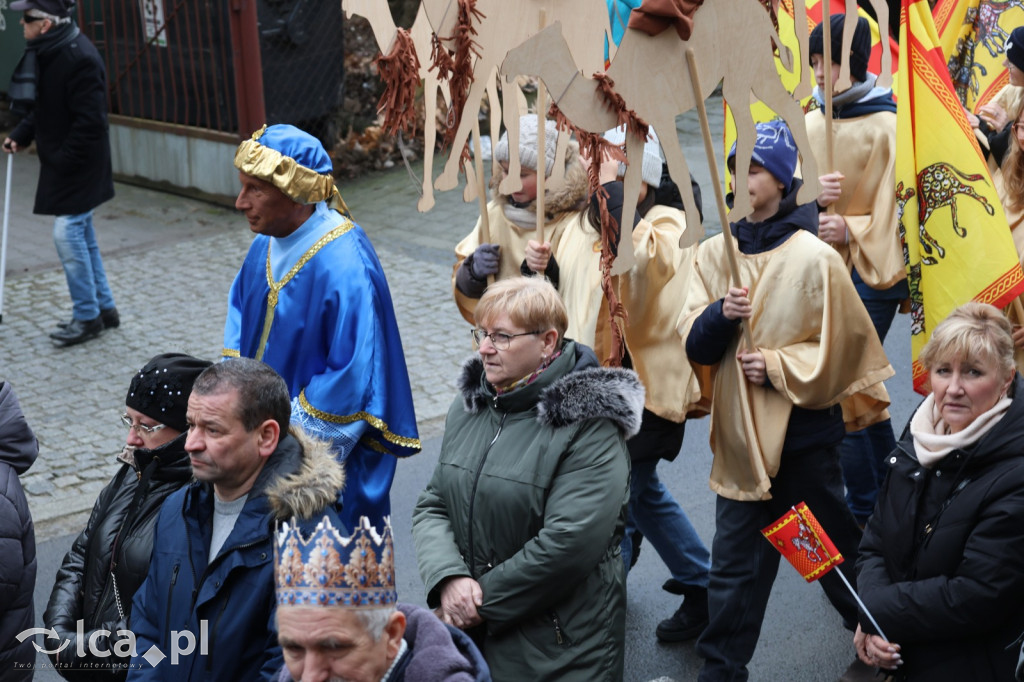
375	422
819	346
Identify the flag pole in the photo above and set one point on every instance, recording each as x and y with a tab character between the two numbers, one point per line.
542	164
7	220
863	608
723	216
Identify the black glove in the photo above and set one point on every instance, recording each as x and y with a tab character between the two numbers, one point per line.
485	261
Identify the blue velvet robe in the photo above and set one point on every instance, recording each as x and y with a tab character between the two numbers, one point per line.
329	329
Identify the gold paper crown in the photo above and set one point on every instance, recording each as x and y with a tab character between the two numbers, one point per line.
327	569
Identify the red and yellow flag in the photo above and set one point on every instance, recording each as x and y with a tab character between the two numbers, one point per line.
956	240
801	72
800	538
972	34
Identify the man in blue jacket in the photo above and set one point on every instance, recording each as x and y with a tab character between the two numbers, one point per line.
206	610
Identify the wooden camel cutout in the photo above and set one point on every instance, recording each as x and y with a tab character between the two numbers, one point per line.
651	75
505	24
378	14
881	8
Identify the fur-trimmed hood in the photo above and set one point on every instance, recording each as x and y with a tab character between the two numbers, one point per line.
587	391
570	196
313	486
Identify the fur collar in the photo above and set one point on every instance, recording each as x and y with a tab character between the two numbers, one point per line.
590	393
571	196
313	486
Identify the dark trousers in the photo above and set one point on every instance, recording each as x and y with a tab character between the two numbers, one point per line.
862	453
744	564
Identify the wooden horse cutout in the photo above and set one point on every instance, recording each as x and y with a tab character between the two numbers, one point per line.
650	74
881	8
506	24
378	14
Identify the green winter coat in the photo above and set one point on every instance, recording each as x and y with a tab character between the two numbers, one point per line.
529	498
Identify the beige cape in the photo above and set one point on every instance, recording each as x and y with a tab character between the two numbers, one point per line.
819	347
866	154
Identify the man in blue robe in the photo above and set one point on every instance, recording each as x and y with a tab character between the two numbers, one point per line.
311	301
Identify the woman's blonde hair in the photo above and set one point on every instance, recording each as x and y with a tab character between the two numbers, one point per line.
1013	169
530	302
971	331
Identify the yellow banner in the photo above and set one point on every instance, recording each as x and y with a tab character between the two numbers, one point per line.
963	250
972	34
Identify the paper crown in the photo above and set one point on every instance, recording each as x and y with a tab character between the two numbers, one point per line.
329	569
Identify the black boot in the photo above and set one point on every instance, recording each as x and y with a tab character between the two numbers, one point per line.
690	618
78	331
111	320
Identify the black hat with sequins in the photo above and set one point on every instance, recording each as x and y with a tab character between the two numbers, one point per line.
160	390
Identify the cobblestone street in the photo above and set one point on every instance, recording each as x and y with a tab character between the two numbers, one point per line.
170	262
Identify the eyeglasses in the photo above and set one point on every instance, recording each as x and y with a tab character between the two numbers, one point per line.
140	429
29	19
500	340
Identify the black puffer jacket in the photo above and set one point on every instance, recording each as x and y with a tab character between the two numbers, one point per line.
124	516
18	450
942	560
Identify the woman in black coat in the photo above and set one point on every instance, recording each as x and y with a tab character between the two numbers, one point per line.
942	560
110	558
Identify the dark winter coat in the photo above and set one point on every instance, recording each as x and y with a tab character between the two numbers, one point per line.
234	593
942	560
69	125
18	450
528	498
123	517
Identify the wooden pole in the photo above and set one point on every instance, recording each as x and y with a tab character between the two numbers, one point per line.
826	43
705	129
542	157
481	185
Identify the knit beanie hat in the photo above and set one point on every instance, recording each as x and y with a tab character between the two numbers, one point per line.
860	48
528	144
652	155
774	150
1015	47
160	390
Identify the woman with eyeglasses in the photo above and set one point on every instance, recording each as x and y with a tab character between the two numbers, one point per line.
517	533
110	557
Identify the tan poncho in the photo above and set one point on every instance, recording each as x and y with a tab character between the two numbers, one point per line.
865	152
819	346
652	293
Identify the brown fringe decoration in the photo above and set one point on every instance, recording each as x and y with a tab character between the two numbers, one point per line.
458	70
400	72
593	146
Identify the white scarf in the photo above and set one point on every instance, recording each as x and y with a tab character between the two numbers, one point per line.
523	218
932	439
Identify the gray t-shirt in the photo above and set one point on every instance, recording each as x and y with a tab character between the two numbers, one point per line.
224	516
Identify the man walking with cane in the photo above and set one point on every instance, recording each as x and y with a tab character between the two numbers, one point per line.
60	84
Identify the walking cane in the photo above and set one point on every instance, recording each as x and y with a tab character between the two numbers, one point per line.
7	219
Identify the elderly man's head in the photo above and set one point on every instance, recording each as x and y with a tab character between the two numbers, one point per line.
284	172
336	601
355	645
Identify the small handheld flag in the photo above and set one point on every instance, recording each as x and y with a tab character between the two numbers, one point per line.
800	538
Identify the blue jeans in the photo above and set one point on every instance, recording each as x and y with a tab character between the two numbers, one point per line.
83	266
657	515
862	453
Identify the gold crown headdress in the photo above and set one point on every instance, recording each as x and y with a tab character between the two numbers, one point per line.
329	569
